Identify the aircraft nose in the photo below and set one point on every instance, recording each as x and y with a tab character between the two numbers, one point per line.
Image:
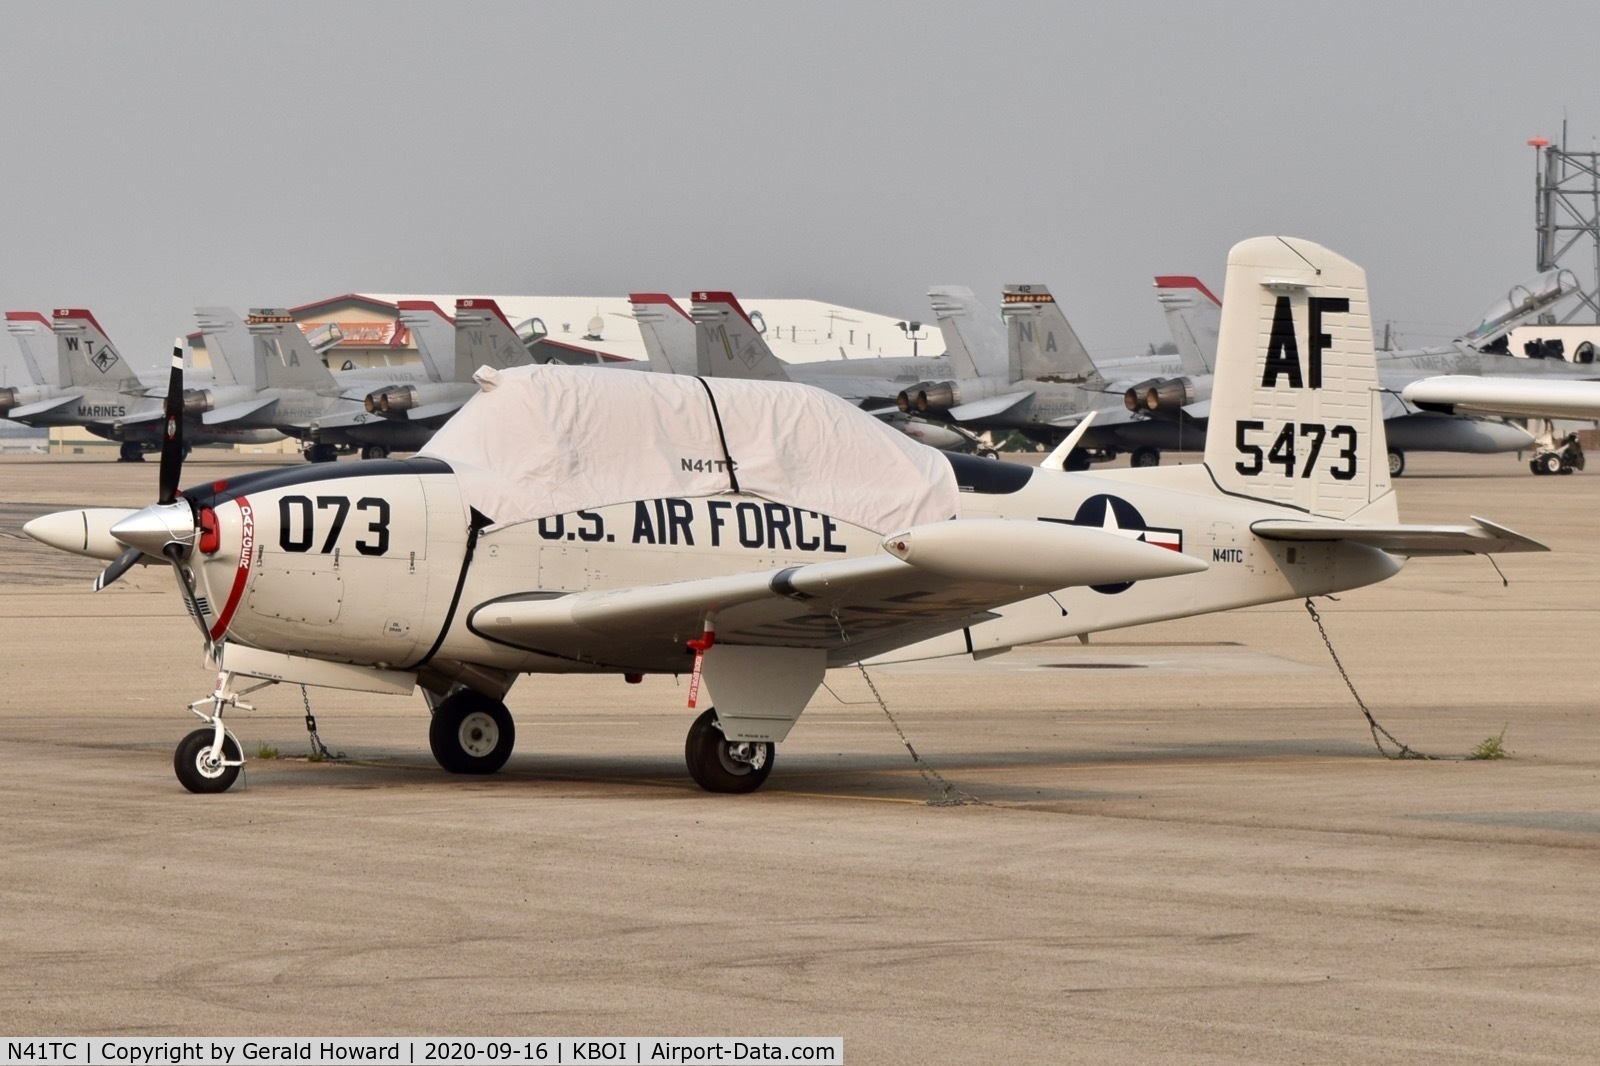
153	528
85	532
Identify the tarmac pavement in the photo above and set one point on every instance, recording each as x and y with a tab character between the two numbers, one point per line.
1184	848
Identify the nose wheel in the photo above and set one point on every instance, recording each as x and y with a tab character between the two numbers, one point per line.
718	764
200	768
209	759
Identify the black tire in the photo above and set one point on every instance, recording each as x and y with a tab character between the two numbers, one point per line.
374	451
471	733
712	763
1397	462
1145	457
1533	465
1077	460
194	772
1550	462
130	453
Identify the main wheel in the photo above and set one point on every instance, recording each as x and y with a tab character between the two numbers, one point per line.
194	767
471	733
720	765
1397	462
1077	460
1550	463
130	453
321	453
374	451
1145	457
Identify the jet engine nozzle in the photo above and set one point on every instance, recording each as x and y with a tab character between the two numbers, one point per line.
1134	398
198	401
1170	396
8	400
935	395
391	400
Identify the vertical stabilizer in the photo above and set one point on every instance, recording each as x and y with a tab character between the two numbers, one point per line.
1041	343
727	343
1295	413
1194	317
229	345
667	331
33	334
283	358
974	338
486	337
87	358
434	333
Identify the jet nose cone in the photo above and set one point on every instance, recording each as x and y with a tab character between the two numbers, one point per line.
86	532
153	528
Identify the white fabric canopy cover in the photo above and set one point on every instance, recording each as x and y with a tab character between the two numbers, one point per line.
547	440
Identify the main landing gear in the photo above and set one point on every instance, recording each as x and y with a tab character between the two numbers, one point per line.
471	733
718	764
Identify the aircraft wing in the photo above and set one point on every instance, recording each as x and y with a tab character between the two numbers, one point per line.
992	407
1200	410
235	412
1505	397
1484	538
932	579
33	410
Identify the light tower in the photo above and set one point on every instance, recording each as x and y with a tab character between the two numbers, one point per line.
1567	218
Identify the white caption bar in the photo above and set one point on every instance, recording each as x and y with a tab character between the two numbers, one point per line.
415	1051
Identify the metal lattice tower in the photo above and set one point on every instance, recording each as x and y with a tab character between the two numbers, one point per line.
1567	217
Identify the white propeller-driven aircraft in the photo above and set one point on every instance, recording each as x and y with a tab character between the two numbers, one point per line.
753	534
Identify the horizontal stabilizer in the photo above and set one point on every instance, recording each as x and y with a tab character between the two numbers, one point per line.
34	410
239	411
993	407
1505	397
443	409
1484	538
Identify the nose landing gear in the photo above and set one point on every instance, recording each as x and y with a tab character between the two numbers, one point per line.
209	759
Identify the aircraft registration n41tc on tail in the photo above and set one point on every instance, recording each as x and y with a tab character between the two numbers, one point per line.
753	534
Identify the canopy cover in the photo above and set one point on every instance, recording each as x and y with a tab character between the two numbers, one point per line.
546	440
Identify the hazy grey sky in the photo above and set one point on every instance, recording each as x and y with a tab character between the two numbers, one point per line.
166	155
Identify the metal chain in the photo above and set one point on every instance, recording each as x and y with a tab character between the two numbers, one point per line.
945	794
1405	750
319	750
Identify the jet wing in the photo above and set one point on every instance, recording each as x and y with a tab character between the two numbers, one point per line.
1505	397
993	407
932	579
1200	410
1484	538
237	412
33	410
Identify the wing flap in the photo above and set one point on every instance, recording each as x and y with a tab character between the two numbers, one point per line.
1483	538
